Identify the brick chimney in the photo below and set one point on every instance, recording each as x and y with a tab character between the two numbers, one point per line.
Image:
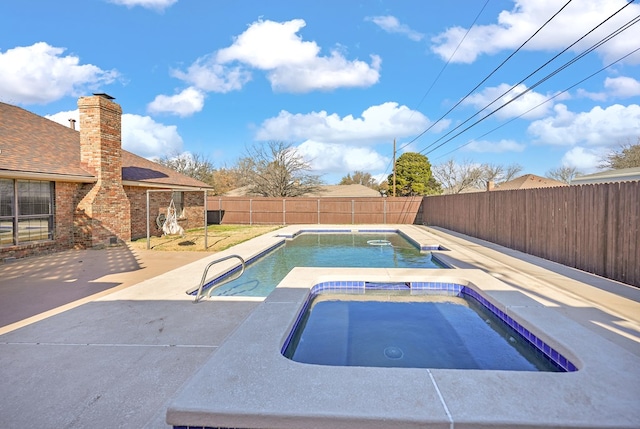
490	185
103	216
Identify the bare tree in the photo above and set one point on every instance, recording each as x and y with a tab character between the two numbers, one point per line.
456	178
627	156
193	165
277	169
226	179
498	173
563	174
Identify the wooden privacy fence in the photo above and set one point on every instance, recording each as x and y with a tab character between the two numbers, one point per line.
594	228
288	211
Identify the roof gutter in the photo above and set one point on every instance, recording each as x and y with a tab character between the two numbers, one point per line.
164	186
10	174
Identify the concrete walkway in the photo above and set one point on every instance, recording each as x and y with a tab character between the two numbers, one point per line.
106	338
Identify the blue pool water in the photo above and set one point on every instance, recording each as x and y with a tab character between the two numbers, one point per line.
395	329
350	250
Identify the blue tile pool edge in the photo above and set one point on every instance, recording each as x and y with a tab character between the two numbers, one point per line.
442	288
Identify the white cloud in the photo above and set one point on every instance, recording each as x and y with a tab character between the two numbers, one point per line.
292	65
595	96
583	159
598	127
376	124
267	45
207	75
390	24
147	138
40	74
337	158
622	87
527	16
183	104
326	74
520	106
504	145
140	134
158	5
63	118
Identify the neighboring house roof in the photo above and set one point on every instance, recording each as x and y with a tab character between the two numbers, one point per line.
470	190
528	181
326	191
335	191
33	146
619	175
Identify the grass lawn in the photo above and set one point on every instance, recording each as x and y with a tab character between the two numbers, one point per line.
219	237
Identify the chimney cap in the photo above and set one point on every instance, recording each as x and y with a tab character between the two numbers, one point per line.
104	95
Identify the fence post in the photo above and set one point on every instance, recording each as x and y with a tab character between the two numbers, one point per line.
284	211
384	211
353	215
220	210
250	211
318	211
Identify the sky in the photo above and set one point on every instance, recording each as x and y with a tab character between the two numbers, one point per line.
538	83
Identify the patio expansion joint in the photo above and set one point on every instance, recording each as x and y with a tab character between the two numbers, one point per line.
442	401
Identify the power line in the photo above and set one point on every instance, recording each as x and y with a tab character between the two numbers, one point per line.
527	77
487	77
545	101
558	70
452	54
443	68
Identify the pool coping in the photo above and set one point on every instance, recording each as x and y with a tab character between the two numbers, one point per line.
248	383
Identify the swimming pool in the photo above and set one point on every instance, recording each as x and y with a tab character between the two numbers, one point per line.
388	326
248	382
325	249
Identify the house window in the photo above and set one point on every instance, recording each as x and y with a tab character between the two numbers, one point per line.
26	211
178	202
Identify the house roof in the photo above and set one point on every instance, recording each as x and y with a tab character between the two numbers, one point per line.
528	181
326	191
33	146
336	191
619	175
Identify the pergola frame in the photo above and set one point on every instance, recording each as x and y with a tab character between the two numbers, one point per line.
174	190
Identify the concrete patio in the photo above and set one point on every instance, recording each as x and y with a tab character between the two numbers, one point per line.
110	345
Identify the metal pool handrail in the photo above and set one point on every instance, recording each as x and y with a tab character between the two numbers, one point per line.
199	295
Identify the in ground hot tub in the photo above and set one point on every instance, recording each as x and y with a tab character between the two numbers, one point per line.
395	325
249	383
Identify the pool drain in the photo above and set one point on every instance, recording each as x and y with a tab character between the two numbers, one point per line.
393	352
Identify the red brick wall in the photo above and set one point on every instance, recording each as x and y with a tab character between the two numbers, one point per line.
158	202
103	214
64	205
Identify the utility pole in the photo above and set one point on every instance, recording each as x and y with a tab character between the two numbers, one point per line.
394	167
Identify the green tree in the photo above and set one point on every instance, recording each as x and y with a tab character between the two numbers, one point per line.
277	169
628	156
413	176
359	178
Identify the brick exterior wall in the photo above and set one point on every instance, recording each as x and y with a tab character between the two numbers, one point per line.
90	215
103	215
64	205
158	202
